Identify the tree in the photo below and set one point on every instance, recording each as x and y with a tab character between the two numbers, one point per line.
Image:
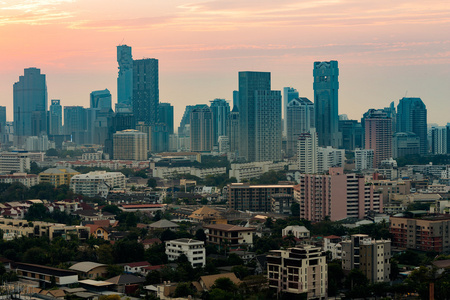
224	284
183	289
200	235
151	182
51	152
295	209
37	211
105	254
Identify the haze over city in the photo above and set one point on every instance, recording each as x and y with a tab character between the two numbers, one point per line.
385	50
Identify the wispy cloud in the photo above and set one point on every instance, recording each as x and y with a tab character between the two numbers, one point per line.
32	12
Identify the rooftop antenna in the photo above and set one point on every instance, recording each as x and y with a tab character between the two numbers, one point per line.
121	43
406	93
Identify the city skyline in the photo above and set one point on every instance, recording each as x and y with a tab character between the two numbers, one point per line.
384	51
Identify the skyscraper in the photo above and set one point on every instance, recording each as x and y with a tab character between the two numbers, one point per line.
299	119
101	99
307	152
233	130
3	136
125	76
55	117
326	86
201	128
268	133
30	103
249	83
412	117
289	94
145	90
165	114
220	110
378	135
75	121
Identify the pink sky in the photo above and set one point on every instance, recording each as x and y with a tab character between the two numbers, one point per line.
386	49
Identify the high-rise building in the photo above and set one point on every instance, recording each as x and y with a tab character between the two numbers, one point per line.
378	135
74	119
249	83
165	115
326	86
55	117
3	138
307	152
440	139
233	130
412	117
130	144
289	94
145	90
268	133
30	104
101	99
125	76
337	195
220	110
299	119
329	157
201	128
352	134
363	159
405	143
236	99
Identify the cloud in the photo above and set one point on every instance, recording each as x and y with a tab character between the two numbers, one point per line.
32	12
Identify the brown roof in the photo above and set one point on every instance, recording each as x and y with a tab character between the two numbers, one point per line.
228	227
442	264
205	212
208	281
57	293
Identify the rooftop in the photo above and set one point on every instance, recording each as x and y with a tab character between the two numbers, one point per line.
228	227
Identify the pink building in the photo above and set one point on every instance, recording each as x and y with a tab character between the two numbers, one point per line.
378	136
336	195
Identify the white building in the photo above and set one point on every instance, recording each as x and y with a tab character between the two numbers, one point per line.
224	145
97	183
332	244
307	152
439	136
130	144
254	169
165	172
14	162
92	156
329	158
299	119
364	159
300	232
193	249
27	180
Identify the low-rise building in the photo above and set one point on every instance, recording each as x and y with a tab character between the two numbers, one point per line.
89	269
254	169
231	236
97	183
46	275
298	270
300	232
57	176
193	249
333	245
27	180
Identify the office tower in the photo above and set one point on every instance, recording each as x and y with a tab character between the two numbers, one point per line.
299	119
185	120
3	138
371	257
363	159
249	83
440	139
159	138
405	143
145	90
201	128
123	121
326	86
220	110
55	118
75	123
378	135
352	134
125	77
166	116
268	133
412	117
289	94
233	130
307	152
30	104
236	99
336	195
390	113
101	99
130	144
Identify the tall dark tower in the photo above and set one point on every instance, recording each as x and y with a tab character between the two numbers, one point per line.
30	104
249	83
326	86
412	117
125	76
145	90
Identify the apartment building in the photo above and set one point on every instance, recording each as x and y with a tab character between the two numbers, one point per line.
298	270
27	180
97	183
57	176
372	257
231	236
255	197
337	195
193	249
421	232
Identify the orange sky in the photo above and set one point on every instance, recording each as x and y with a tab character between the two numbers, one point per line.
385	49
